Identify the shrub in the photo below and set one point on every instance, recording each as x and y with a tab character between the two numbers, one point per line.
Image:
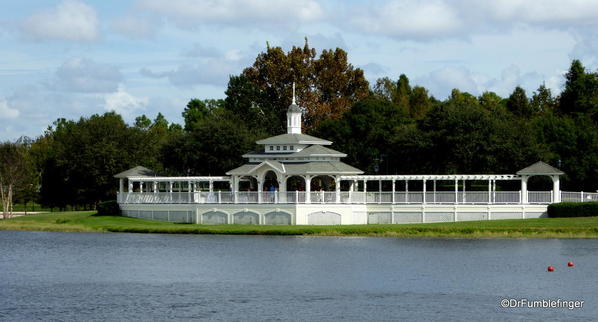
108	208
573	209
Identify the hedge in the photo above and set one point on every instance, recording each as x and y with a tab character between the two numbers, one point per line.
108	208
573	209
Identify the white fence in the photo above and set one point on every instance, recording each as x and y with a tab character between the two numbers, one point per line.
349	197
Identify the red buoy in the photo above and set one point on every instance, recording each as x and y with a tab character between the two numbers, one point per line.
570	264
550	268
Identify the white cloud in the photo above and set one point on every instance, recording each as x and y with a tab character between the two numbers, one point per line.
7	112
86	76
136	27
410	19
71	20
124	103
189	13
442	81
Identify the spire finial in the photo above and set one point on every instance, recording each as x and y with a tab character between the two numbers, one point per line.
293	93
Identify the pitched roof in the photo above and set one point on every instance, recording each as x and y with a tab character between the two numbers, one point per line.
137	171
540	168
318	150
315	168
312	150
293	138
295	108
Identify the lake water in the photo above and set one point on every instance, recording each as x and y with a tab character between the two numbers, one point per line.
85	276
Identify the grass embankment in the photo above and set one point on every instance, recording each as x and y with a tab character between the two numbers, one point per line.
586	227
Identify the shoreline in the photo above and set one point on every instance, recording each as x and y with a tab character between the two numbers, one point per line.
581	227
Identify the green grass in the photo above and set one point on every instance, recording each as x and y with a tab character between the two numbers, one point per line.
584	227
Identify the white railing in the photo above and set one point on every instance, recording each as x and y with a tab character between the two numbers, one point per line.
567	196
351	197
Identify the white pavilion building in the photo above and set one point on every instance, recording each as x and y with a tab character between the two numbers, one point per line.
295	178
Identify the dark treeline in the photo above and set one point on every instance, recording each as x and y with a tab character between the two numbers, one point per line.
389	127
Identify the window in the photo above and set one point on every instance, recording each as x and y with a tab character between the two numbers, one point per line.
271	148
291	147
284	147
278	147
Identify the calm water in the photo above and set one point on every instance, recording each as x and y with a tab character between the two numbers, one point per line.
70	276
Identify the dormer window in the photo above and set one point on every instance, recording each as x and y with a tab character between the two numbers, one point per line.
291	147
278	148
284	147
271	148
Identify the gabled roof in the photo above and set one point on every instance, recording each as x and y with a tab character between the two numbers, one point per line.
313	168
251	167
540	168
137	171
294	138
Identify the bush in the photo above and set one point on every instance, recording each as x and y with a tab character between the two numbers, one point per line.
108	208
573	209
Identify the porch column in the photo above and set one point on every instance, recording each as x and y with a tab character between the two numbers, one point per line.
211	187
129	186
307	188
235	189
170	191
188	191
121	184
260	186
464	197
424	197
393	191
155	187
556	189
365	191
141	186
494	190
282	189
524	198
456	191
337	188
406	191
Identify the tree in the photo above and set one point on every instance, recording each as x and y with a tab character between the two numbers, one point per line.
403	94
518	103
580	94
326	86
15	174
542	100
419	103
197	110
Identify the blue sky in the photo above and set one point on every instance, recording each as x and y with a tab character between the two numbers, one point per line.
73	58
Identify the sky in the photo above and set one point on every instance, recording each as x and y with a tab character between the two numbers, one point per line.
74	58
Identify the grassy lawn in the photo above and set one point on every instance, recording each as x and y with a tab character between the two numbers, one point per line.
586	227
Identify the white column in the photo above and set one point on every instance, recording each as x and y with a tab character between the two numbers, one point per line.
424	192
155	187
456	191
129	186
141	186
170	191
188	191
307	188
464	197
556	189
524	190
211	187
406	191
121	185
260	187
393	191
365	191
337	187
